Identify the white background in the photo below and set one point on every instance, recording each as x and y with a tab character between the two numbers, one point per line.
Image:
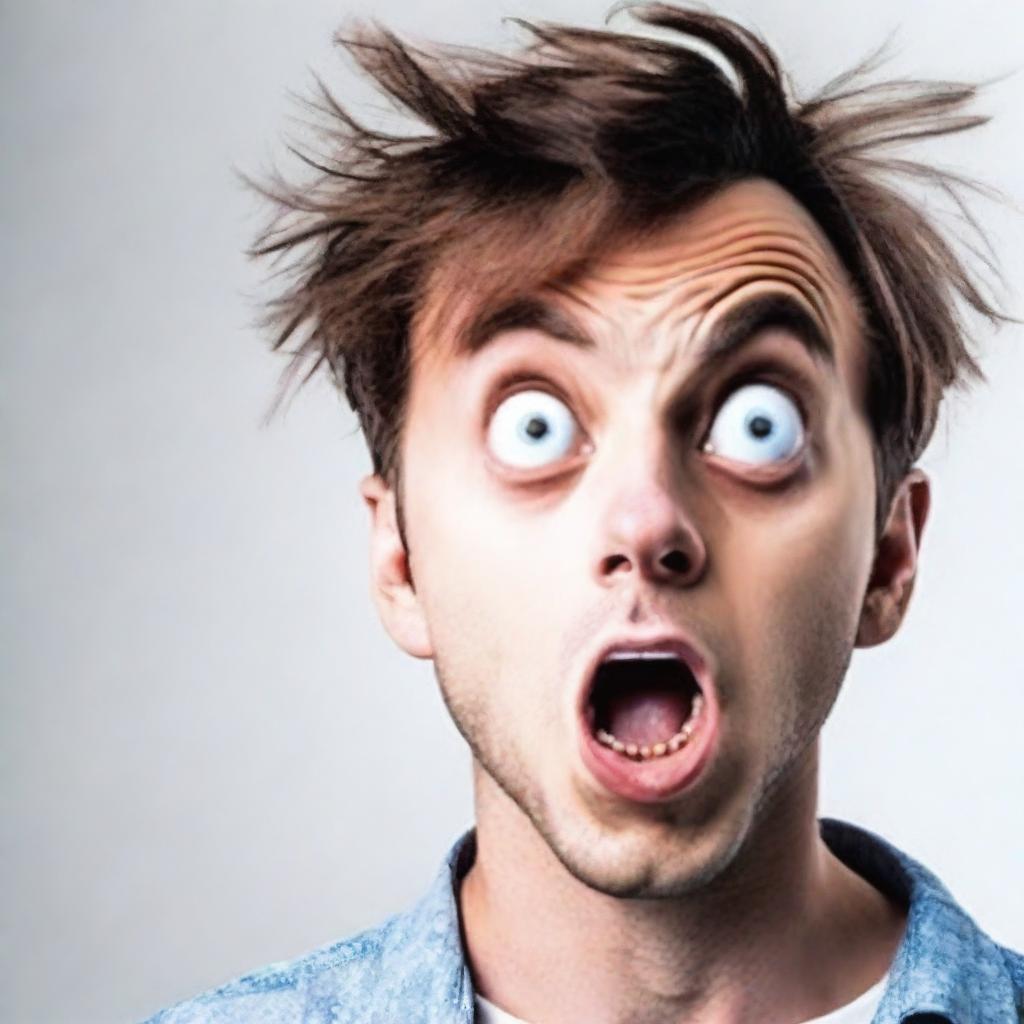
212	755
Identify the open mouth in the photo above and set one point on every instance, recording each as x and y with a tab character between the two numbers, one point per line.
649	719
644	705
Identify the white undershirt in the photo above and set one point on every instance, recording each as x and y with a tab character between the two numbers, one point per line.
860	1011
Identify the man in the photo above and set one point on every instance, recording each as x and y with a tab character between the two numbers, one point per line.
645	352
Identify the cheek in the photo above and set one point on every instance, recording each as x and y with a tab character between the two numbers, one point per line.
487	581
473	566
479	554
795	581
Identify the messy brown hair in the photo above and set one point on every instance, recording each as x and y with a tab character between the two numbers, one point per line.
532	164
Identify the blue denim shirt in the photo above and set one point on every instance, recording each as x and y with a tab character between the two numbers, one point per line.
412	969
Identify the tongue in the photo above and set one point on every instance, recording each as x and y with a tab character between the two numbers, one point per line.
646	716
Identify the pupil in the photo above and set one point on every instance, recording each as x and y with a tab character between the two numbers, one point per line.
760	426
536	427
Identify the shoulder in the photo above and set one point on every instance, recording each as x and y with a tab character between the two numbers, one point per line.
1015	966
317	985
411	967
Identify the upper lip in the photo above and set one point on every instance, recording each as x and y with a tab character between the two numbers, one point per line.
677	643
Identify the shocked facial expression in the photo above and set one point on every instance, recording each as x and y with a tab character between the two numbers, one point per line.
668	458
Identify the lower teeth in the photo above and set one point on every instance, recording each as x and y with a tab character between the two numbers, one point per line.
644	752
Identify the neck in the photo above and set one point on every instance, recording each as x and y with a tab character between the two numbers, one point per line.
786	932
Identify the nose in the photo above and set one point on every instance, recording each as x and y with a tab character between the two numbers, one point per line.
647	531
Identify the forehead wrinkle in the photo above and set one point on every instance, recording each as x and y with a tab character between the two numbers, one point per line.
666	276
769	264
762	256
633	333
796	255
683	300
681	276
814	291
708	246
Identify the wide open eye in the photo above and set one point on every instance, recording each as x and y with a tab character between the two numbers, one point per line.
531	428
757	424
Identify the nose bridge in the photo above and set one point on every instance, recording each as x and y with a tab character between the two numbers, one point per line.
647	526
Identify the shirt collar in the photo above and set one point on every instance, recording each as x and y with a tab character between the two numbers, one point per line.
944	965
424	976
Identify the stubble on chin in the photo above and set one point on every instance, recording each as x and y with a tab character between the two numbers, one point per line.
634	852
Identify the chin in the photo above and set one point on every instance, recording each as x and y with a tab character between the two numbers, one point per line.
644	877
655	860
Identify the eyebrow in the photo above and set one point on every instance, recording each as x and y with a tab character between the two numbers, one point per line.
525	313
725	337
742	324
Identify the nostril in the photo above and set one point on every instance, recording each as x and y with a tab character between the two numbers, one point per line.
677	561
612	563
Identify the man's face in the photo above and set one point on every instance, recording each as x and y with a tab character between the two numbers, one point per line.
669	476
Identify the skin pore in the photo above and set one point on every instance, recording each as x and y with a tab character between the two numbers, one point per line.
721	904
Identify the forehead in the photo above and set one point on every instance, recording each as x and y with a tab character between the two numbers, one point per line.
647	298
751	236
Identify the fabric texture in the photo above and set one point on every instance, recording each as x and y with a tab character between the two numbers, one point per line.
857	1011
411	969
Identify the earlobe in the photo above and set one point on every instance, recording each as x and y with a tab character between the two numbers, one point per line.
391	584
895	566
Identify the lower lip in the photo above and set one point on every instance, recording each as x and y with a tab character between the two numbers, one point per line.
661	778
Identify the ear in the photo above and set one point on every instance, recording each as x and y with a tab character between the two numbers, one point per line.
895	566
391	582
